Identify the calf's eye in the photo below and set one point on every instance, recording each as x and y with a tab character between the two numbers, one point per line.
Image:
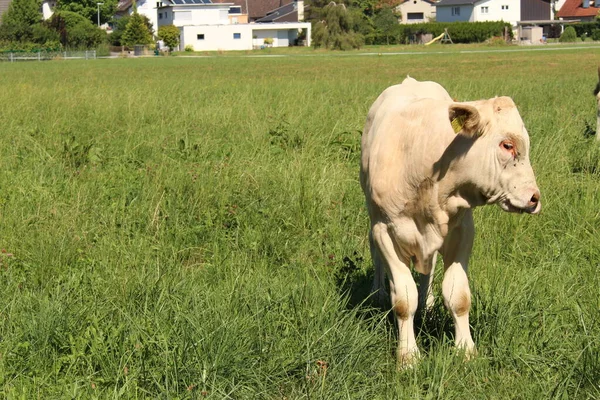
509	147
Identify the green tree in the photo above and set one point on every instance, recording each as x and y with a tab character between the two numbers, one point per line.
18	21
170	35
136	31
89	9
120	25
75	30
385	21
335	30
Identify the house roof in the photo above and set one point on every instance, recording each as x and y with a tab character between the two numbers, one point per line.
573	8
122	5
257	8
279	14
432	2
456	2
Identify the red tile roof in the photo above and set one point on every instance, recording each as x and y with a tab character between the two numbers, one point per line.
574	9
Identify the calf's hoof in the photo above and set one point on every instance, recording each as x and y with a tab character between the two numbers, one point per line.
407	358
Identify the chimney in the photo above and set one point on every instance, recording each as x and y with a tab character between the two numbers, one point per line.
300	6
586	4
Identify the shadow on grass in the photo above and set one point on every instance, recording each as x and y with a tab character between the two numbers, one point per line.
585	153
354	280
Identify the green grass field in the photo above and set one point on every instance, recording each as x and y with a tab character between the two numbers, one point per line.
194	228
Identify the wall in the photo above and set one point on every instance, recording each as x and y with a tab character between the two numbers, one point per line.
495	11
217	37
444	14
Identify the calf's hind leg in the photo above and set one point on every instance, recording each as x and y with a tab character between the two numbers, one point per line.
403	293
378	290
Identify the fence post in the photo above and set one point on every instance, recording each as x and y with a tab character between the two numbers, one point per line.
39	56
11	57
65	55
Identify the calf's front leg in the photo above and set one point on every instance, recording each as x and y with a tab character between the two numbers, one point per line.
455	287
403	294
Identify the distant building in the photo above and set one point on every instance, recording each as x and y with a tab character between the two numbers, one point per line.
144	7
205	25
585	10
416	11
493	10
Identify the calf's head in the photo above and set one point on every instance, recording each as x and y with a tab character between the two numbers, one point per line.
496	164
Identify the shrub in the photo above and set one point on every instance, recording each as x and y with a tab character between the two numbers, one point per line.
596	34
136	31
189	48
74	30
497	41
568	36
585	28
170	35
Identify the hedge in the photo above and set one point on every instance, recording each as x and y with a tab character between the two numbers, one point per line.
460	32
585	28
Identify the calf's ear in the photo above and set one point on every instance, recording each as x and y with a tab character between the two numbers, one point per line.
465	119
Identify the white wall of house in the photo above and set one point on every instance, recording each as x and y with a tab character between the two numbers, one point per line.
216	37
497	10
147	8
240	36
416	11
484	10
199	14
454	13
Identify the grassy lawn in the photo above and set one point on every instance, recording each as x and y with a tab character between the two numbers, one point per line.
391	49
194	228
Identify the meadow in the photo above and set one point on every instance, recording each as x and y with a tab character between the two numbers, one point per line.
194	228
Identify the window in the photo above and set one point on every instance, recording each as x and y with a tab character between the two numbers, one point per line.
414	16
235	10
484	9
505	7
159	15
237	35
200	36
455	10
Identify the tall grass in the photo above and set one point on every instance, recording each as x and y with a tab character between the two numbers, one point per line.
194	228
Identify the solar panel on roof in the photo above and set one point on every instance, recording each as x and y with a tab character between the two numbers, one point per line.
178	1
207	1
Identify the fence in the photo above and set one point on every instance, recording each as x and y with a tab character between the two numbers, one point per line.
47	55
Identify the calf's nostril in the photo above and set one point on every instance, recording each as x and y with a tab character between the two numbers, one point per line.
535	198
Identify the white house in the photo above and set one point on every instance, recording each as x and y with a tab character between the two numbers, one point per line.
478	10
494	10
144	7
416	11
207	26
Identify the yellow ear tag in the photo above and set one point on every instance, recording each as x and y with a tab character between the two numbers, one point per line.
457	123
